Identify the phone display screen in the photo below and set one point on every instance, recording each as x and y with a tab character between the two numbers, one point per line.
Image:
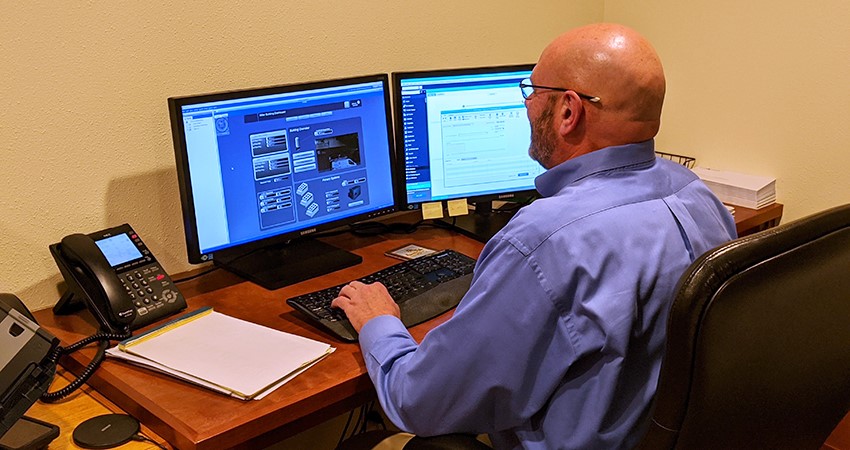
118	249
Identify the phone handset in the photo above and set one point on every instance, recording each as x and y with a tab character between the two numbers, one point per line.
110	302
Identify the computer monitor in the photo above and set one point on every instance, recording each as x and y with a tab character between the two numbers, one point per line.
464	134
261	169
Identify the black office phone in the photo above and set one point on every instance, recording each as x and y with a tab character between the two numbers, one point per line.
115	275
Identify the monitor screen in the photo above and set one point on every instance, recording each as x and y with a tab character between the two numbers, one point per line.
463	133
261	166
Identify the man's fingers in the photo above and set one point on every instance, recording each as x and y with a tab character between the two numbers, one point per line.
340	302
347	290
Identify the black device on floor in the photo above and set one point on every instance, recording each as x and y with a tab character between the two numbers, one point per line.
424	288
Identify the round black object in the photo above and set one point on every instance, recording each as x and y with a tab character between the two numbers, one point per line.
106	431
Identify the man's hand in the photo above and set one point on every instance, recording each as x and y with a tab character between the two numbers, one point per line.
363	302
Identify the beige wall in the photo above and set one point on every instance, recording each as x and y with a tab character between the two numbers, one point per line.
84	135
757	86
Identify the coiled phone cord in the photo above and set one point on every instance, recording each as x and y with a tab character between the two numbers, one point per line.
104	339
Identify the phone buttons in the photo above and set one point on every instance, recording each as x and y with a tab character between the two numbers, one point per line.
169	295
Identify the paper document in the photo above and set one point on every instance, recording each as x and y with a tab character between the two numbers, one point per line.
749	191
223	353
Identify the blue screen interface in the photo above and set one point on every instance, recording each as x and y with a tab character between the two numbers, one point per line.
465	135
271	164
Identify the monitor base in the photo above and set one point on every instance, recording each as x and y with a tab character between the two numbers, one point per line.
286	264
478	226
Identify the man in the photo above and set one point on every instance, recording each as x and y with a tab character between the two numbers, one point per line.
558	342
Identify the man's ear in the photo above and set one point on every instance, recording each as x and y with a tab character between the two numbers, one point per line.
570	113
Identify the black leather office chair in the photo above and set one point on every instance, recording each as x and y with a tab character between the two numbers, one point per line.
758	345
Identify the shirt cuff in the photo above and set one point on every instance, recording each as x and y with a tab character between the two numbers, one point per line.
378	327
383	340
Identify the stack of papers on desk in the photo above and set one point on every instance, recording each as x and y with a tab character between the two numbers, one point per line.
749	191
223	353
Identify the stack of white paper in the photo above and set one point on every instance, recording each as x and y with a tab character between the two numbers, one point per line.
749	191
223	353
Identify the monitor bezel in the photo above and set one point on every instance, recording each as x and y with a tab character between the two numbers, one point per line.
187	202
398	125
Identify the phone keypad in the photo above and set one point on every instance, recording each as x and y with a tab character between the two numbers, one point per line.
151	291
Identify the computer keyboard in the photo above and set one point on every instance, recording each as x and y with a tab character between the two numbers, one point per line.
424	288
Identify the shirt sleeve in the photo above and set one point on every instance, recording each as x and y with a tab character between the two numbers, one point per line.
483	370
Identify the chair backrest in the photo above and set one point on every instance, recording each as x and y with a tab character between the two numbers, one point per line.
758	344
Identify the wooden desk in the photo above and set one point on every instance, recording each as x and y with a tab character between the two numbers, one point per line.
76	409
191	417
749	221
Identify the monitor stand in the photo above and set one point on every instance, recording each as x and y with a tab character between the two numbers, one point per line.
282	265
483	223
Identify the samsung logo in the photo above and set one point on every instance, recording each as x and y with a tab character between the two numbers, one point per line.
506	196
311	230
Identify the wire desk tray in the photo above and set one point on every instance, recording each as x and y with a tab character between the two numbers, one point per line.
686	161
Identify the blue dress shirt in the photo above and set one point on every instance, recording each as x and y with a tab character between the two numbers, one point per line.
558	342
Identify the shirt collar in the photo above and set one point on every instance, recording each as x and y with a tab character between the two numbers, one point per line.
609	158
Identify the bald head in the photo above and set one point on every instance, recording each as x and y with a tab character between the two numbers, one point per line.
616	64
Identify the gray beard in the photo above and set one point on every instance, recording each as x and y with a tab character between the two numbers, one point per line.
543	144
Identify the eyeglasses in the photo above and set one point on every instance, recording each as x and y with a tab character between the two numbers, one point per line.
528	89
